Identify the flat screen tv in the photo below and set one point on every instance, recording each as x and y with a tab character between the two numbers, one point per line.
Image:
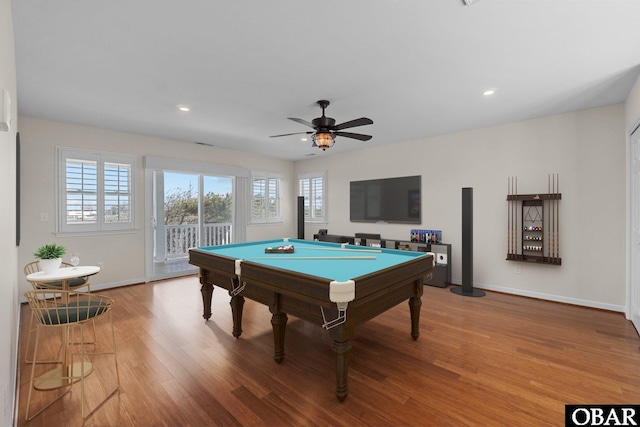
386	200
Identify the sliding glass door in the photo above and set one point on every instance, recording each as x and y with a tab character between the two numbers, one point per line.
189	210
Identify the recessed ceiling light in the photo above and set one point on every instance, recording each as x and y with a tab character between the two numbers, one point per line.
184	108
488	92
304	139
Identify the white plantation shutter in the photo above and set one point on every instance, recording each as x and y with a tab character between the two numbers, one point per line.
265	199
81	194
258	199
312	187
96	191
317	198
273	198
117	193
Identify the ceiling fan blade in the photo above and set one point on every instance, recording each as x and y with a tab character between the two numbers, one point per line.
303	122
359	136
295	133
353	123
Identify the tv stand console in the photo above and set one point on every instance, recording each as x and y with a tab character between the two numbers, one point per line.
441	275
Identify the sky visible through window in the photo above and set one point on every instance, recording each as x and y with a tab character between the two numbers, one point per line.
184	181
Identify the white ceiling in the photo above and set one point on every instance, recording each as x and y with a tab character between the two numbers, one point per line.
417	68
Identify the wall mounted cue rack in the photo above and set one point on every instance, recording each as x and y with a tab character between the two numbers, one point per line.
533	225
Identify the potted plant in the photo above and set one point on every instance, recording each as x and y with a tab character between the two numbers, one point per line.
50	256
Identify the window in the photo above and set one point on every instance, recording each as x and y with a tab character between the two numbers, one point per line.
265	198
95	191
313	187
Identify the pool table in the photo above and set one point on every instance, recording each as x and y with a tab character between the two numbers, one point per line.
336	286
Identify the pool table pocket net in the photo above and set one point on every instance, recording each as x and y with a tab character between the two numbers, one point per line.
341	293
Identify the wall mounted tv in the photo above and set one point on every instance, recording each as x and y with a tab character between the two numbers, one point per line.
386	200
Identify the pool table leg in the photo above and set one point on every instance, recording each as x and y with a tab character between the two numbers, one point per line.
415	303
237	305
279	324
342	350
207	293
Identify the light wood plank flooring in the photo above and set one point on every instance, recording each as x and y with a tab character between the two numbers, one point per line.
501	360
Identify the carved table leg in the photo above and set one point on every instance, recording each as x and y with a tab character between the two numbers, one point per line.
237	304
279	323
342	349
207	293
415	303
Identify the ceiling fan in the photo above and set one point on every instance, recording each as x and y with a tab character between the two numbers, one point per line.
326	129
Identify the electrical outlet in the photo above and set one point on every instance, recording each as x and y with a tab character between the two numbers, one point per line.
101	264
517	269
44	217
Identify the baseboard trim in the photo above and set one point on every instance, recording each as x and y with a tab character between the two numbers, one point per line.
503	289
552	297
104	286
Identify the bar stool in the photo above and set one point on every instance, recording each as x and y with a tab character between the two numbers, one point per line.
68	311
75	284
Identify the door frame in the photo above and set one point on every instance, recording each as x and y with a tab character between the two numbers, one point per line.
632	309
151	163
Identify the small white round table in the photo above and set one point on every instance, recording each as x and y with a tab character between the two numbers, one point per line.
64	275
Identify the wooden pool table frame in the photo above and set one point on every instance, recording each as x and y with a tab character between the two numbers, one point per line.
286	292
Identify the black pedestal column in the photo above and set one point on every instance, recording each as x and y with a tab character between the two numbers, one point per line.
301	217
467	248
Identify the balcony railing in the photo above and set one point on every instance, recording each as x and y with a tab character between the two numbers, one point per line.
179	238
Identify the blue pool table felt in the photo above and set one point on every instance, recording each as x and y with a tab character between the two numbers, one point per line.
333	269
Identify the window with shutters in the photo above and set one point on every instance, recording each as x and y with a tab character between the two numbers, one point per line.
313	187
96	191
265	198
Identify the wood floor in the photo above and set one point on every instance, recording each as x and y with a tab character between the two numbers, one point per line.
500	360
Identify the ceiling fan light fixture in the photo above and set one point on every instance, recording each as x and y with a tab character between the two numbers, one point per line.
323	140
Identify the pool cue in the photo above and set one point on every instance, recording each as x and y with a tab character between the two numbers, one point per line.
508	218
319	258
557	220
344	250
512	218
549	241
515	216
553	219
551	223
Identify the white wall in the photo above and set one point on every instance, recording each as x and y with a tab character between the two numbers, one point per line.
9	297
586	149
123	254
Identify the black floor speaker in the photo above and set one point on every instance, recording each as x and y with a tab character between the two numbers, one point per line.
301	217
467	248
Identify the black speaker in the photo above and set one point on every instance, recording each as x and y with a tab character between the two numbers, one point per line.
301	217
467	247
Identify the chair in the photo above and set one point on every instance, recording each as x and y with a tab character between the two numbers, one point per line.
74	284
68	311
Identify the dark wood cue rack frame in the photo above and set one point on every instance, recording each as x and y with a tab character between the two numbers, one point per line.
533	224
